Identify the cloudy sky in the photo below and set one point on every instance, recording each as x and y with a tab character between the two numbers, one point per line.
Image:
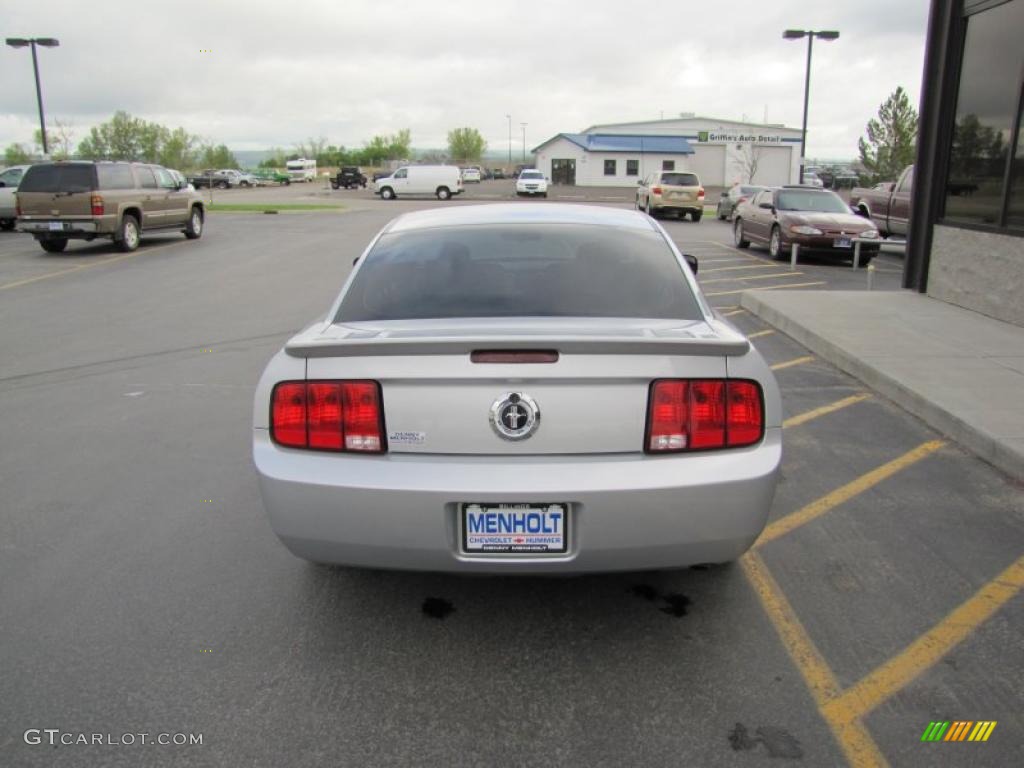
279	73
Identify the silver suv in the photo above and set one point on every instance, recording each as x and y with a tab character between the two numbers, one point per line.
65	201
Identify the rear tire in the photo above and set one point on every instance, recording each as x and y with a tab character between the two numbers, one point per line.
194	227
696	215
650	210
7	224
128	234
222	185
443	193
544	195
387	193
737	234
54	244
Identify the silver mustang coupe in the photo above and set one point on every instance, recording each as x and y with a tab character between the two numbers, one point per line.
519	389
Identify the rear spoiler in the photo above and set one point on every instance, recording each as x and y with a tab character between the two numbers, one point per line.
307	345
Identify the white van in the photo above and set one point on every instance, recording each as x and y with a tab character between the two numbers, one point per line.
441	180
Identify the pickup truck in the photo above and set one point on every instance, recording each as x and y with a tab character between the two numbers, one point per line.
886	204
349	176
211	178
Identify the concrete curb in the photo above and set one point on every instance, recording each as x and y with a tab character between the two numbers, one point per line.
980	442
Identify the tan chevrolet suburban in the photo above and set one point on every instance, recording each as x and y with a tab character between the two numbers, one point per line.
64	201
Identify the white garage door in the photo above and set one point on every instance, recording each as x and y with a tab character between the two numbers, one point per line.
773	166
709	164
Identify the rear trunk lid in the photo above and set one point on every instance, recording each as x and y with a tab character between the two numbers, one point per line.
592	400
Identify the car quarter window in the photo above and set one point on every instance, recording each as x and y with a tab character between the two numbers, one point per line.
115	176
519	270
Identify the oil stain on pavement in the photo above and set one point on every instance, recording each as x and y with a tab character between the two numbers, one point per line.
777	741
437	607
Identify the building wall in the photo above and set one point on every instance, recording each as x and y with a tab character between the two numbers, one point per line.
979	271
721	156
590	165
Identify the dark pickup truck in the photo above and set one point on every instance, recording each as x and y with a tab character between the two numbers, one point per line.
349	177
886	204
210	178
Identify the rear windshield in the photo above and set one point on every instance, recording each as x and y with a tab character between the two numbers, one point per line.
59	178
801	200
680	179
519	270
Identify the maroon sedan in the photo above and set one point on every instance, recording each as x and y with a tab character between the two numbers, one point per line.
816	219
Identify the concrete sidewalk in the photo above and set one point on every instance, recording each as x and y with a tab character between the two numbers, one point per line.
959	371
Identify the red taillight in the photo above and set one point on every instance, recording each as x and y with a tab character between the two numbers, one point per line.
745	420
328	415
656	190
700	414
700	192
96	203
288	414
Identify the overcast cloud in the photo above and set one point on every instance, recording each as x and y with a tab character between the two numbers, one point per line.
280	73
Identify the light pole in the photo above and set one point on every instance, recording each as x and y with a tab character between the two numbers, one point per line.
509	140
810	34
524	141
46	42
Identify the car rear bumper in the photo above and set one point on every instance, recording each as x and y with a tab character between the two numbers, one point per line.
818	244
669	204
627	512
67	227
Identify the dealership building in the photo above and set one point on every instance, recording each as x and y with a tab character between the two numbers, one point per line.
720	152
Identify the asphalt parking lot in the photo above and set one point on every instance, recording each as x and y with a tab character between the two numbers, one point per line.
142	590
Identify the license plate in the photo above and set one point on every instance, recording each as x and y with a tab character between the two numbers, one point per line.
680	195
56	226
515	528
843	242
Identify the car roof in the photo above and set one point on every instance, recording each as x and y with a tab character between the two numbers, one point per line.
520	213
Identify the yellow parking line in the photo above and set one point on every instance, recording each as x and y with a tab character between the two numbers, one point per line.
750	277
816	509
855	741
719	261
734	312
795	421
759	334
791	363
79	267
928	649
768	288
747	254
733	269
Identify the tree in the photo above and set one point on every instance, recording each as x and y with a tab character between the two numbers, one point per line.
59	137
891	143
750	160
465	144
217	157
16	154
178	150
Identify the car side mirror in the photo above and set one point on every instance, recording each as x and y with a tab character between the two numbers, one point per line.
691	261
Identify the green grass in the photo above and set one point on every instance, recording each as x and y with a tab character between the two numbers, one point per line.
261	207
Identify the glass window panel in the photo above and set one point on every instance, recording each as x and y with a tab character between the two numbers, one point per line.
985	113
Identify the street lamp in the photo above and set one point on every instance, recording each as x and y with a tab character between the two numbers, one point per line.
524	141
810	34
46	42
509	140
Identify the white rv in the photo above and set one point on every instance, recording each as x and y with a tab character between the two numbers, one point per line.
443	181
301	169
